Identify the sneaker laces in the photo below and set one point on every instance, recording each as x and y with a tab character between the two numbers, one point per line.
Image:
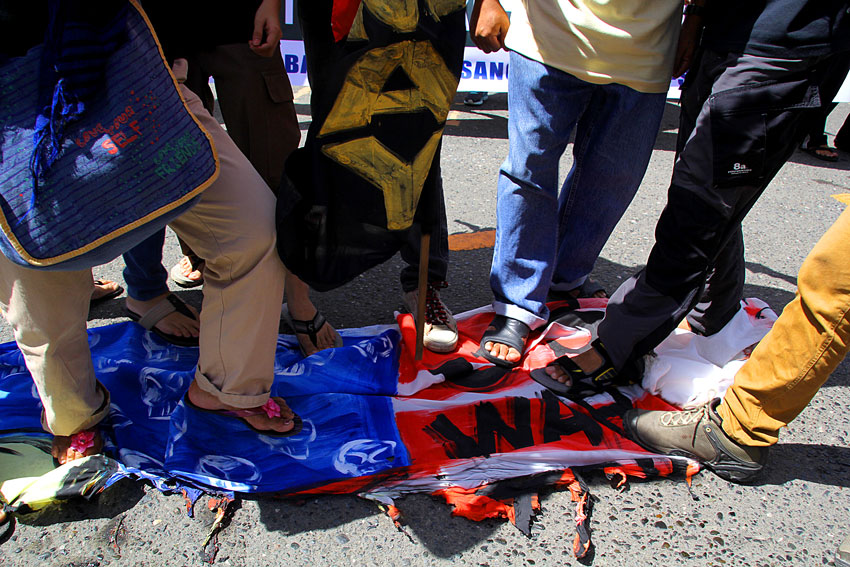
435	310
687	417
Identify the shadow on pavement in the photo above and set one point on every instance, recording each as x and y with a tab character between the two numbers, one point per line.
112	502
424	518
824	464
299	516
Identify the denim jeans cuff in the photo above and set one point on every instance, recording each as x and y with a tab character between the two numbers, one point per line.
518	313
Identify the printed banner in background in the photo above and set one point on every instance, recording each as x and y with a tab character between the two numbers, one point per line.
485	72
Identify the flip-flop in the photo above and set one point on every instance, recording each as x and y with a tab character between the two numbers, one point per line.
813	151
506	331
181	279
115	293
309	328
241	414
84	440
169	304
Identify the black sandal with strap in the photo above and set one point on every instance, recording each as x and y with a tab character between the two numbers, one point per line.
506	331
582	384
311	329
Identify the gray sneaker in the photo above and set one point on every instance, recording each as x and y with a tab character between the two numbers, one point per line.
695	433
440	324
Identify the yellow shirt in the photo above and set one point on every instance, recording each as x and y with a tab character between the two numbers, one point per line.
629	42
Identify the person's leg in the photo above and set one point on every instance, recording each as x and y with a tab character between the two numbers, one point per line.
729	158
816	142
614	141
712	189
544	104
816	133
724	289
440	328
312	330
232	227
786	369
105	289
47	311
802	349
257	105
147	287
143	273
188	272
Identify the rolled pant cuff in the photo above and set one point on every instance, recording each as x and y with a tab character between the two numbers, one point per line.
242	401
735	430
65	429
518	313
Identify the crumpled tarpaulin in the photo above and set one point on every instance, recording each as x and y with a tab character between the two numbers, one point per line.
376	421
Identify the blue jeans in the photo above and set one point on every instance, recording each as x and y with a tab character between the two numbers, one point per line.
544	239
143	272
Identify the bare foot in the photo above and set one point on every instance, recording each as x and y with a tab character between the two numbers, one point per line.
174	323
282	424
104	289
65	450
301	308
186	274
588	361
509	328
504	352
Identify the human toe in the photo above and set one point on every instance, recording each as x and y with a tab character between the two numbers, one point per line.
328	337
72	447
555	372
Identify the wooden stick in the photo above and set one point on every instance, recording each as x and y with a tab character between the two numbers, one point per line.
424	247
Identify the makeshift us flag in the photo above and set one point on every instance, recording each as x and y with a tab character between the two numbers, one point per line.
369	172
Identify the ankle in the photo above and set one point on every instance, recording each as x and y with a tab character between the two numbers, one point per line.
589	361
147	302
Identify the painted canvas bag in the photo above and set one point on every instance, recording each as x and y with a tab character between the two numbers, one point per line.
97	148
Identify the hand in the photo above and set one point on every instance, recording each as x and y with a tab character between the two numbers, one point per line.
489	25
688	40
267	32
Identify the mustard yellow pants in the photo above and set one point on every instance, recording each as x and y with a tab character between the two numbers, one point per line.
805	345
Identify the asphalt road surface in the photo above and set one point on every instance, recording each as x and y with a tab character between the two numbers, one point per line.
797	514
